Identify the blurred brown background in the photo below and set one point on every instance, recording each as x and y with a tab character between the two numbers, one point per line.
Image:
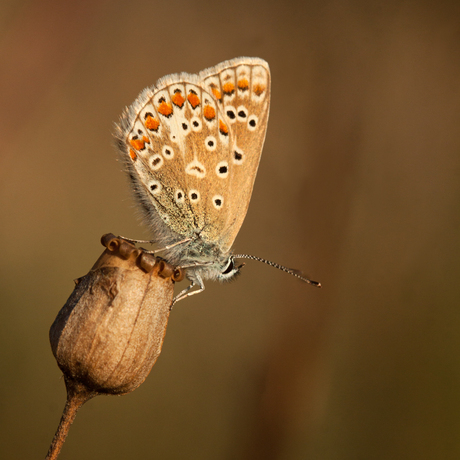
358	185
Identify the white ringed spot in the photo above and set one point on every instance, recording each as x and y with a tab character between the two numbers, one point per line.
156	161
210	143
179	196
253	122
185	127
242	113
196	124
218	201
154	186
222	169
194	196
167	152
238	156
230	113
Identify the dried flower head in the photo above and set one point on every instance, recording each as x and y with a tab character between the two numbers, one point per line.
110	332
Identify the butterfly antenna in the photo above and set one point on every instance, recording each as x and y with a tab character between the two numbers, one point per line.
296	273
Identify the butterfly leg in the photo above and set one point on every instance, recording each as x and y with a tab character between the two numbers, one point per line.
130	240
173	245
186	292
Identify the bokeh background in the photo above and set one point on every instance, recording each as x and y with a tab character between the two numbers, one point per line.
359	186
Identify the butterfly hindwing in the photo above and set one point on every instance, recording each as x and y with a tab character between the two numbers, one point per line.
155	161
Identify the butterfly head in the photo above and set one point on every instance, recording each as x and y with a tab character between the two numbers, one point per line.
223	268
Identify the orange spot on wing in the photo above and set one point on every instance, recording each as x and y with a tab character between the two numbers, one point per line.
178	99
209	112
146	139
165	109
243	84
193	99
223	128
228	88
152	123
138	144
132	154
216	93
258	89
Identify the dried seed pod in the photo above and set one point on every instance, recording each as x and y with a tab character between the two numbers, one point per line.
110	332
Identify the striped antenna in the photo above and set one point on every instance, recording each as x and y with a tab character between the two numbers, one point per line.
296	273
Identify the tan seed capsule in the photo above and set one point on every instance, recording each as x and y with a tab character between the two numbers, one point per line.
110	332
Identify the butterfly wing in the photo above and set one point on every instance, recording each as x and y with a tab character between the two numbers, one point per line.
150	143
174	141
192	146
242	88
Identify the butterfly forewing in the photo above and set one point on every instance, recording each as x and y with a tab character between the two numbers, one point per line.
242	87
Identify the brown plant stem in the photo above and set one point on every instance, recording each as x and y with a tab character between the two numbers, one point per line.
77	395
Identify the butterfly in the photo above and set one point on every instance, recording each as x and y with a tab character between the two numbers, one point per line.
191	145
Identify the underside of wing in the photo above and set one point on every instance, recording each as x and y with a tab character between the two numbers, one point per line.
242	89
192	146
175	143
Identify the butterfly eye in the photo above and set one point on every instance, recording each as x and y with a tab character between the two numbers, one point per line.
230	272
230	267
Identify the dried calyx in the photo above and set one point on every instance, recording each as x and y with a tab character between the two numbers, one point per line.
110	332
